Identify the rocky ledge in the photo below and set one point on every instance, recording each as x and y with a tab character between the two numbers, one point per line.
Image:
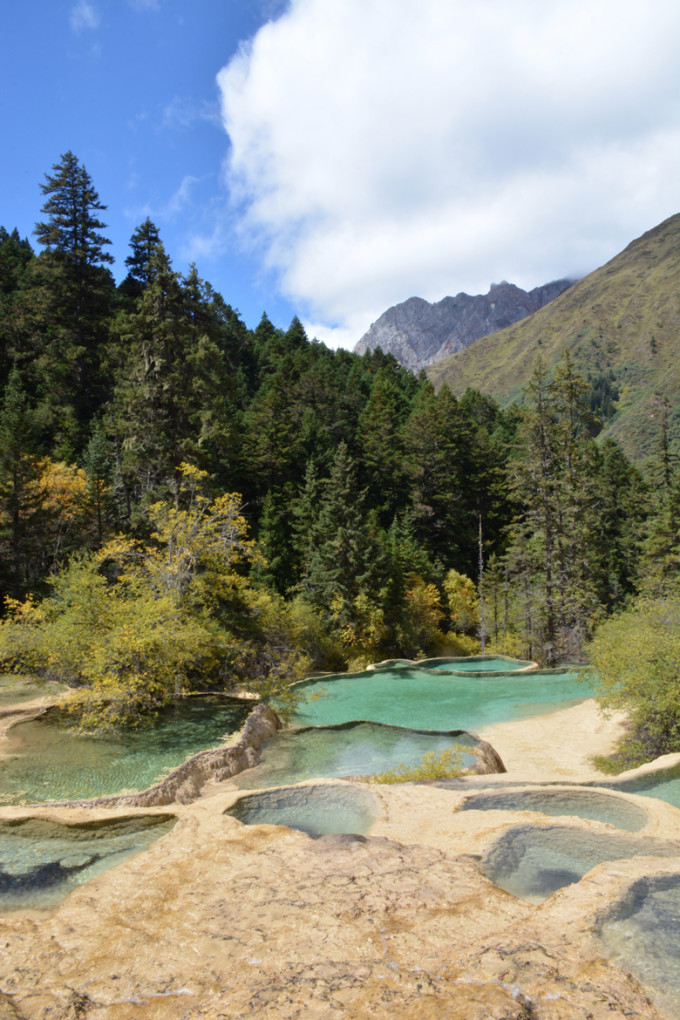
217	919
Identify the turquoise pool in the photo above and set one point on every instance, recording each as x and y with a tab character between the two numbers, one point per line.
355	749
476	665
581	803
49	762
329	808
430	700
41	861
641	935
663	785
533	861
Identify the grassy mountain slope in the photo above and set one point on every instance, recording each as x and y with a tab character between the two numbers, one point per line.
623	319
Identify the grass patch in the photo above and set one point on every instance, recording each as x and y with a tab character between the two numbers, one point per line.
448	764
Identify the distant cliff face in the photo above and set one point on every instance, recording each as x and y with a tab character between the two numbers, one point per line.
419	333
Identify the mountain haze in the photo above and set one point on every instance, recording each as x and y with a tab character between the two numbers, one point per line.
620	323
419	332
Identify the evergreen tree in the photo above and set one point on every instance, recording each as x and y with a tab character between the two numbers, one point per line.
15	255
98	468
71	301
171	403
71	229
21	497
381	444
438	439
344	561
145	245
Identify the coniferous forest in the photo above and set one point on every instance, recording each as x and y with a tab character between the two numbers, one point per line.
186	503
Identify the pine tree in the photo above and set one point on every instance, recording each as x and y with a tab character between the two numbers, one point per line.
98	468
15	255
171	402
145	244
70	305
71	230
381	444
21	496
344	561
438	438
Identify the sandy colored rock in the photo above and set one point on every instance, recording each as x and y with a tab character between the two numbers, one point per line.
556	746
220	920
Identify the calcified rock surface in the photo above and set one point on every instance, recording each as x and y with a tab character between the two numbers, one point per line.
418	332
220	920
184	784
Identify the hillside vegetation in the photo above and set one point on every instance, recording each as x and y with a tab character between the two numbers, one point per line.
621	325
187	504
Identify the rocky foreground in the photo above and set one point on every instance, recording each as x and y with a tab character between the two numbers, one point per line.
221	920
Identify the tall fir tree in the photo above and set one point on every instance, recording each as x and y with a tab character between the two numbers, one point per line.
145	245
22	509
71	302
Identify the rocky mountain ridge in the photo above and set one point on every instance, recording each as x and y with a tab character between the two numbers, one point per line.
621	326
419	332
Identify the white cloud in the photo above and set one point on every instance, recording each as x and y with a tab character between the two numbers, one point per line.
381	149
166	212
184	113
84	15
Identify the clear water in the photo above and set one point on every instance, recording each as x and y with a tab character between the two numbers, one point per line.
360	749
316	810
41	861
641	935
532	861
474	665
591	804
427	700
14	690
664	786
52	763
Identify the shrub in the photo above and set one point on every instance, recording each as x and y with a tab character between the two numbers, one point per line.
448	764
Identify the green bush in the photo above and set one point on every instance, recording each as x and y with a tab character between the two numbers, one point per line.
635	666
448	764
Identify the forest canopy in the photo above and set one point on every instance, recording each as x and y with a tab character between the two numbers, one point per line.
186	503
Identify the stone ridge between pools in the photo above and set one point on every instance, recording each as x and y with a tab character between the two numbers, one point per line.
184	784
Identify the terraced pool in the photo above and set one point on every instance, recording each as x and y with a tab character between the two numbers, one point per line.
429	699
46	761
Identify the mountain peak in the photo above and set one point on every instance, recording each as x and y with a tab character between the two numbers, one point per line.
419	332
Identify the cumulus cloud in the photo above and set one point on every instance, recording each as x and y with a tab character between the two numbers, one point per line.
380	149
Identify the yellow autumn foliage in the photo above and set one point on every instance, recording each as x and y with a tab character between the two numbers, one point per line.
135	625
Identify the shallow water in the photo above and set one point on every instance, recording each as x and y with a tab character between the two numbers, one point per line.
588	804
41	861
14	690
641	935
316	810
532	861
359	749
664	786
428	700
51	763
474	665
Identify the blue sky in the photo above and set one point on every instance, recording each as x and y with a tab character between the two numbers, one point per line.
130	88
330	158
